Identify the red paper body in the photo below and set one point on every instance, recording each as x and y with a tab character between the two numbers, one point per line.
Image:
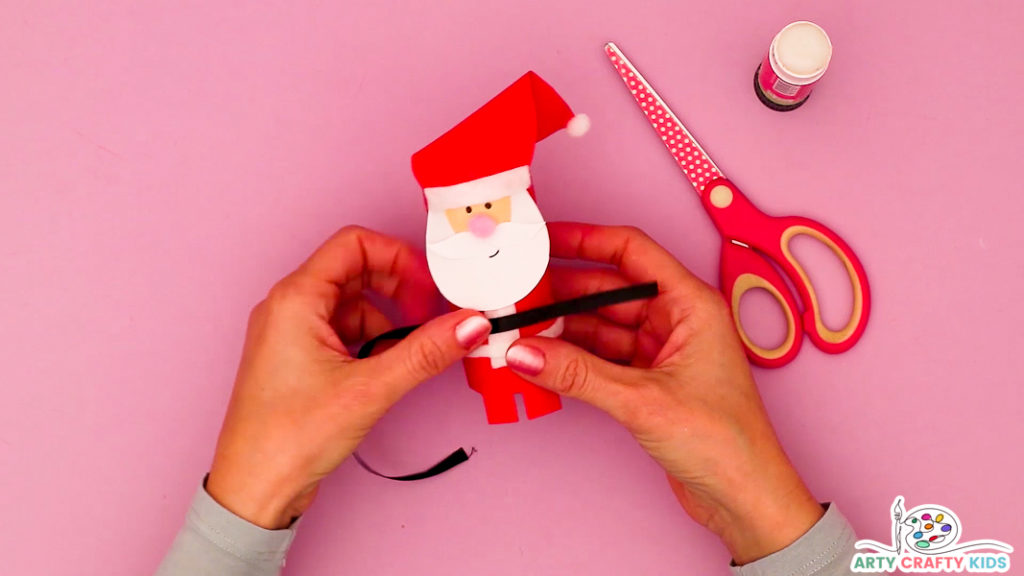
499	386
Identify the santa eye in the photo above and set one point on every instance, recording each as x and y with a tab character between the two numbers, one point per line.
487	205
469	209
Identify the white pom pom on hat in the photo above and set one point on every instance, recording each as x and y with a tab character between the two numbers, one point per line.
578	125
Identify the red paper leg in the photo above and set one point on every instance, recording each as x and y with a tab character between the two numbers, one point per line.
497	386
501	408
539	401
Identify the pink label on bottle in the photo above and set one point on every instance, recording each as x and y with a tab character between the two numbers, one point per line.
778	88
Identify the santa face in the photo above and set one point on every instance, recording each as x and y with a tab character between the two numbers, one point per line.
488	255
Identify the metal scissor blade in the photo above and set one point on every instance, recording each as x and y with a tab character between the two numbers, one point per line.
691	158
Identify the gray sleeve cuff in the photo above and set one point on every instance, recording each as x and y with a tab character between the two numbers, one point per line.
215	541
825	550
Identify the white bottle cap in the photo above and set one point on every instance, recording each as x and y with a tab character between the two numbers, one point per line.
800	53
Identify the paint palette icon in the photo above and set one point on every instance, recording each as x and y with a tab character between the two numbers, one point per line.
928	530
932	528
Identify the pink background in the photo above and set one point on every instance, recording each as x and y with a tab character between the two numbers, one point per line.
163	163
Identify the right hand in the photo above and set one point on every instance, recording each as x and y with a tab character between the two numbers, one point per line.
672	370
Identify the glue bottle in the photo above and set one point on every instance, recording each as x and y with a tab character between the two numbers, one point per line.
796	60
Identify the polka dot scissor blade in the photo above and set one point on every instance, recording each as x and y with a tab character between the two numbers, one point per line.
755	246
690	157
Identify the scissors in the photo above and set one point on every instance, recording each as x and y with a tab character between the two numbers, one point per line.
753	240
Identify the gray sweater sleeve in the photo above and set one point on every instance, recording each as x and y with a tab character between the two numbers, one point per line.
214	541
825	550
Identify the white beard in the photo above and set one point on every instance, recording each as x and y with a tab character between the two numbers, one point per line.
469	273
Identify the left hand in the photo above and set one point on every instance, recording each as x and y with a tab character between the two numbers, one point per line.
301	404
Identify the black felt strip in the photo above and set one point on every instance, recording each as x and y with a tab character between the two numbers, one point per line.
515	321
575	306
397	334
525	318
450	461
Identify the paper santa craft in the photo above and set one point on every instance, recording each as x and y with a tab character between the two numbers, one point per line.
487	244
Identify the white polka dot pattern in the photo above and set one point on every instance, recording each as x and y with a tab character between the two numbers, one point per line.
697	166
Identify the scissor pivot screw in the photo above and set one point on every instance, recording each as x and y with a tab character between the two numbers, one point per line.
721	196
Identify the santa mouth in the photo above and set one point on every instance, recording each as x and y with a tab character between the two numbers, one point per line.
495	254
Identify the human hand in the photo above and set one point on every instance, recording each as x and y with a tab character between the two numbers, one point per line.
679	381
301	403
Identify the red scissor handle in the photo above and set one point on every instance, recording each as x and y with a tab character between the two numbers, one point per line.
743	269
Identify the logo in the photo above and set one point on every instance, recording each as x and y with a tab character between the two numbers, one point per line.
927	539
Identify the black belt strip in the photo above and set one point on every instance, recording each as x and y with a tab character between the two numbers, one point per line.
450	461
537	315
515	321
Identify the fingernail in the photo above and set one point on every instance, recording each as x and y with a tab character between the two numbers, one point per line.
472	330
525	359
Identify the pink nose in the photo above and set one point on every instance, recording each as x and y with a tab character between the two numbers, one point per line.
482	226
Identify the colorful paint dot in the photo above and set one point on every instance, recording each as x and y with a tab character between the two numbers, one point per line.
932	539
946	527
928	526
913	520
940	517
926	516
922	544
918	535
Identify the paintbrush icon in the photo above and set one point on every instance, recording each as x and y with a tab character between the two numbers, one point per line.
897	515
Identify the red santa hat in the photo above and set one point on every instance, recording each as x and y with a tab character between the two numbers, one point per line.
489	148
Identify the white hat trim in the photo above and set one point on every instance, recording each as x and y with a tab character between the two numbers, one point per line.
478	191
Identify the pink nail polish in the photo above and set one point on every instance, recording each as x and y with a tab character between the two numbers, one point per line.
472	330
525	359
